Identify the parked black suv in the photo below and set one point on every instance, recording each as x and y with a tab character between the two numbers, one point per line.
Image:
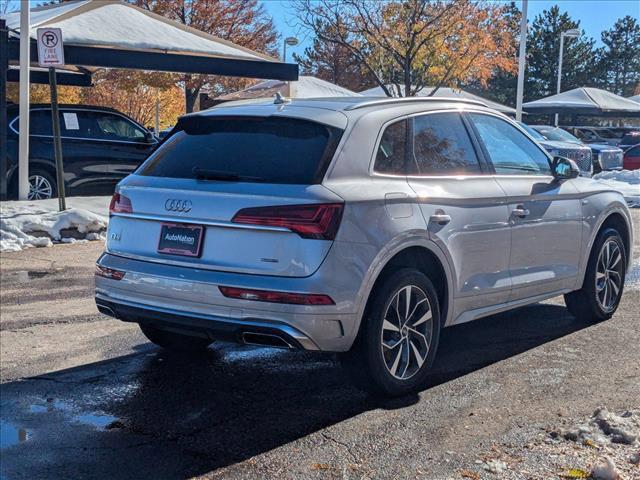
100	146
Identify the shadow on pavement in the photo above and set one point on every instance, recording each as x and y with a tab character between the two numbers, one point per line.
182	416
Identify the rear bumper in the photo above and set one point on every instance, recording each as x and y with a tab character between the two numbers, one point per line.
189	300
212	327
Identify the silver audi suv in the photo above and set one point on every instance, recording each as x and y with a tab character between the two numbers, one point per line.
355	225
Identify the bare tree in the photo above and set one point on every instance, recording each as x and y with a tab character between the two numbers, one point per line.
407	45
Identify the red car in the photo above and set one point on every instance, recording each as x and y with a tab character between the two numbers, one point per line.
631	160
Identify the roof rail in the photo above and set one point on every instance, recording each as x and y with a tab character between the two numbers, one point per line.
384	101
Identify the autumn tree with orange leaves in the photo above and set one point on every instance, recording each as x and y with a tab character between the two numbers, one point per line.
243	22
411	44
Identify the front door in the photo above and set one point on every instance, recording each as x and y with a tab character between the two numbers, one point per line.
464	208
545	215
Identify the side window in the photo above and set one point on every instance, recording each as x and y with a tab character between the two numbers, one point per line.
115	127
392	150
39	123
441	146
511	152
75	124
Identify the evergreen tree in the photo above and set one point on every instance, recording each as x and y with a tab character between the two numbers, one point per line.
620	57
579	67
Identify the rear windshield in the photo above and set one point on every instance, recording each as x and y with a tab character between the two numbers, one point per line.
246	149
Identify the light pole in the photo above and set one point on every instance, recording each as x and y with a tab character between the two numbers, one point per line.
573	33
522	58
291	41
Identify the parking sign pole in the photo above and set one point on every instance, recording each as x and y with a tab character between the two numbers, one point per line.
57	143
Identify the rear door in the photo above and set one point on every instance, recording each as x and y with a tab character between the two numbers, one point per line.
129	144
545	215
86	157
464	208
252	184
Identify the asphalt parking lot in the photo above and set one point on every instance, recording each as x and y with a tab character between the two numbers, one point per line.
85	396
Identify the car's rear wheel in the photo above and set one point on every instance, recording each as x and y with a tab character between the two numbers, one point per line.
174	341
603	283
399	336
42	185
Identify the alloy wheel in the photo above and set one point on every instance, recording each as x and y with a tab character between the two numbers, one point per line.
39	188
407	330
609	275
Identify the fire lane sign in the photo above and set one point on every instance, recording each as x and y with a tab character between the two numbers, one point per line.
50	49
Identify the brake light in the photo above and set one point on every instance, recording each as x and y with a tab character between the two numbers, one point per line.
317	221
276	297
110	273
120	204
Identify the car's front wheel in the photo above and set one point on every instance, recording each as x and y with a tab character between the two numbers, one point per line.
174	341
399	337
603	283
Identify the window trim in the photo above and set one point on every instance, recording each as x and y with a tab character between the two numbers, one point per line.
67	109
521	130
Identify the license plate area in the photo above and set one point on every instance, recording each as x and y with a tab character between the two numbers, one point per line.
180	239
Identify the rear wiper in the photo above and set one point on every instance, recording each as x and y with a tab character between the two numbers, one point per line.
206	174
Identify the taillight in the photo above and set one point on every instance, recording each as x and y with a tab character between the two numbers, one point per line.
277	297
110	273
318	221
120	204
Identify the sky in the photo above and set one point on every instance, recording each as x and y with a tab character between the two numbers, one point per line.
594	15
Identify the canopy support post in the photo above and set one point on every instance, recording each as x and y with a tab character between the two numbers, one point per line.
23	142
4	71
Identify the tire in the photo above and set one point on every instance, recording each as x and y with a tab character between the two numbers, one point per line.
402	365
174	341
599	297
42	185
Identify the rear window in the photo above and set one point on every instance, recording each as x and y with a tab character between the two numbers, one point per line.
247	149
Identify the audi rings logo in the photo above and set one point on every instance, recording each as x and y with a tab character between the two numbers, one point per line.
176	205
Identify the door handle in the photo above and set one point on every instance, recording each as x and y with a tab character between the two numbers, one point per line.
440	218
520	211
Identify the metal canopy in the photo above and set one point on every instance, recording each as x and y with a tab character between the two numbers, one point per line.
114	34
585	101
41	76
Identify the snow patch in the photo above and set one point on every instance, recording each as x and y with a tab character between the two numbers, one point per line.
605	470
25	224
626	182
495	466
607	427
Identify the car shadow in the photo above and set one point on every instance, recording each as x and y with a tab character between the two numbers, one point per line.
181	416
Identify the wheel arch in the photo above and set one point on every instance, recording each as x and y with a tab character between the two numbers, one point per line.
34	164
617	218
418	253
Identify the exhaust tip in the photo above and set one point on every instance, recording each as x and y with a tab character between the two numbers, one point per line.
265	340
106	310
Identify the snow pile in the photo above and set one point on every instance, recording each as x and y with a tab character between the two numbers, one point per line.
605	470
606	427
626	182
26	224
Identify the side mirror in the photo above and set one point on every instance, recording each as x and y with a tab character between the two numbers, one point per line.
149	137
564	168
